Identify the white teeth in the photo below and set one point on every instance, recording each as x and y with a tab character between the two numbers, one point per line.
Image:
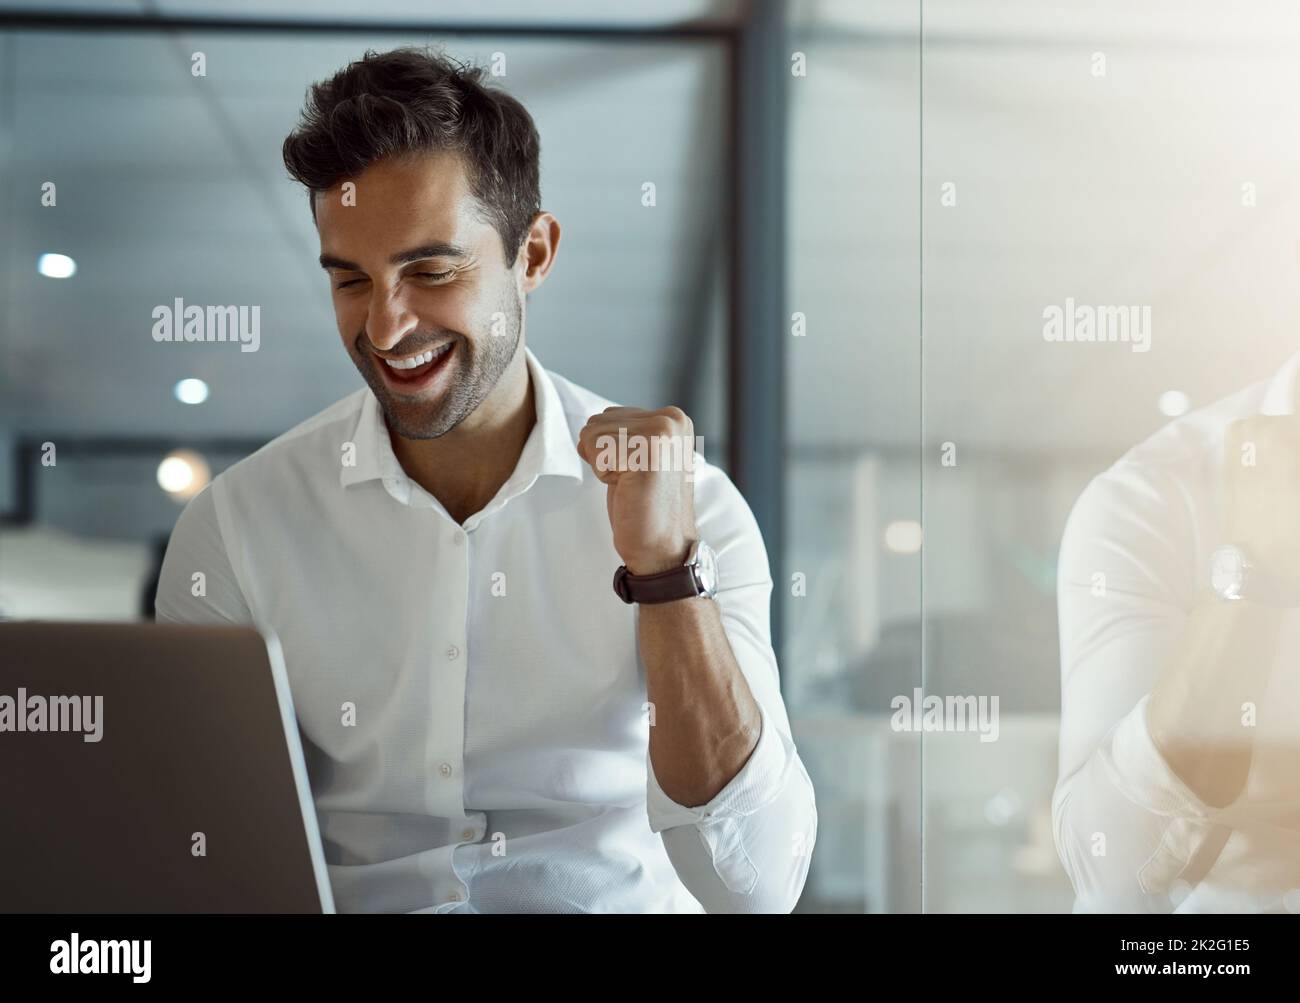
411	363
417	360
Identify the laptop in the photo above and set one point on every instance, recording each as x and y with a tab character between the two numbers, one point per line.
152	768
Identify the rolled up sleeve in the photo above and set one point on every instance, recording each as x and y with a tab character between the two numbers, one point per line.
749	848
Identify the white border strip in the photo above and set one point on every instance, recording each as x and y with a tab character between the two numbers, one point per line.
299	764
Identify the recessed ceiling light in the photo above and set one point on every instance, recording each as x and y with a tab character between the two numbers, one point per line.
191	391
183	474
56	266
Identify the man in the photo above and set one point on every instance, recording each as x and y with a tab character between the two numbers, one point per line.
1179	596
489	726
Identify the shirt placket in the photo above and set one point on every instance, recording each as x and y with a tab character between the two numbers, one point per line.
448	676
449	671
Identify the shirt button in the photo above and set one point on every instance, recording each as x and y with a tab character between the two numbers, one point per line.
453	896
467	834
453	653
457	539
445	769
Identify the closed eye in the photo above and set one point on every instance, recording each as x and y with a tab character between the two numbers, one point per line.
423	275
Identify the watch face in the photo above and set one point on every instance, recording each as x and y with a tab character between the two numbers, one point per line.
1227	572
706	568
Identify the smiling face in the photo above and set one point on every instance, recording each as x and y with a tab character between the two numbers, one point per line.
426	306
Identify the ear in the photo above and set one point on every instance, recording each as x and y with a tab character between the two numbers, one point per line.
539	250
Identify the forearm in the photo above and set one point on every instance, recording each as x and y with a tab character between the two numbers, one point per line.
1144	809
1196	709
1125	834
706	721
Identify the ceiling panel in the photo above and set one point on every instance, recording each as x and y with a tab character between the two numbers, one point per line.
170	185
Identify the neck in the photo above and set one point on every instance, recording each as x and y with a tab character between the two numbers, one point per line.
465	468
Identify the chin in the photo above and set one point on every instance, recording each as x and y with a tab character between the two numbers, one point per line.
417	421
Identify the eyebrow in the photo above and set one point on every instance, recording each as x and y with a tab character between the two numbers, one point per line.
437	250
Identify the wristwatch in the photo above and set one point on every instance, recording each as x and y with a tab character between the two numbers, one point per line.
698	576
1235	576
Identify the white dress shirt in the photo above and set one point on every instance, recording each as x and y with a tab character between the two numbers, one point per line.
498	760
1149	525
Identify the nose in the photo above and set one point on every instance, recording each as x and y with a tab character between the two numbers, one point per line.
389	319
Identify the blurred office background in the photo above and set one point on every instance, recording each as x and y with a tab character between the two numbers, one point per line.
938	176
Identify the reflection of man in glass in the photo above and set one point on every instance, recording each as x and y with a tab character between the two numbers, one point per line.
1179	595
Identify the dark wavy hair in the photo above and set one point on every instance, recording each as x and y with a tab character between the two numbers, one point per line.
413	100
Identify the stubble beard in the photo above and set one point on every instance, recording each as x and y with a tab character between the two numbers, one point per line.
480	365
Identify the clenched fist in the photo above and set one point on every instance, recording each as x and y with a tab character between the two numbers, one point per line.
646	460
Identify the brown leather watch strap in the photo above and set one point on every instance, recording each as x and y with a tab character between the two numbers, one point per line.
666	586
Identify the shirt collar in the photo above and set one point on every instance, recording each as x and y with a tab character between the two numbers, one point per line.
1280	396
550	448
